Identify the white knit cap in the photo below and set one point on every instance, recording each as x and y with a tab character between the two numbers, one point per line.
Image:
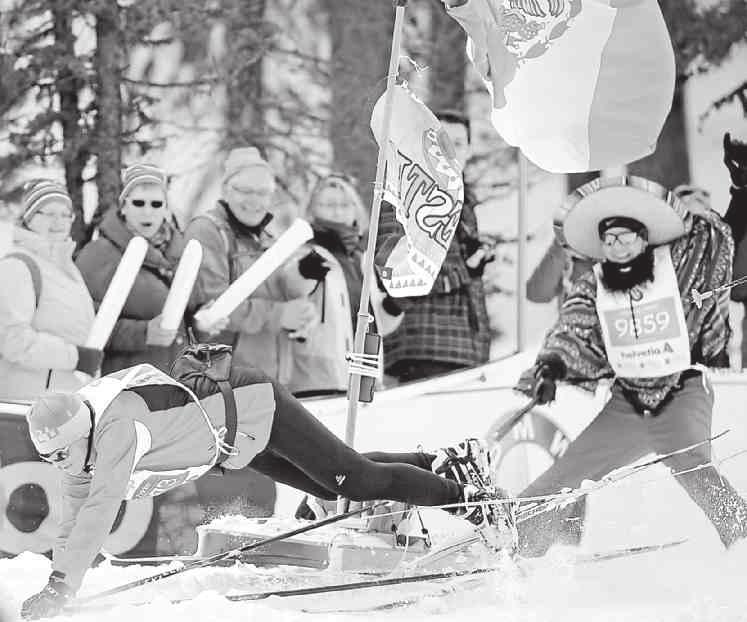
39	192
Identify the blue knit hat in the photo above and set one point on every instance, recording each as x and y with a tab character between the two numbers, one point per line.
39	192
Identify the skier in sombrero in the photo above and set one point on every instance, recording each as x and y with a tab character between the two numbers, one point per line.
632	319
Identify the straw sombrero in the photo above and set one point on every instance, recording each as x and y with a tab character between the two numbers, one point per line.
577	219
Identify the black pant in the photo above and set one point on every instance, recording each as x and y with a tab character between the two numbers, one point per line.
304	454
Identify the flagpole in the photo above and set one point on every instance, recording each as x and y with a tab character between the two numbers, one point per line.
521	272
368	262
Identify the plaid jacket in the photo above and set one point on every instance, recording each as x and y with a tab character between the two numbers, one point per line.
451	323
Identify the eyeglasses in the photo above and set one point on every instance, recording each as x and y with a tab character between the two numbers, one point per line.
690	191
56	456
141	203
336	206
262	192
65	216
625	238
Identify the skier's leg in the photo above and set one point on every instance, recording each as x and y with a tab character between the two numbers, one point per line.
301	440
616	437
684	421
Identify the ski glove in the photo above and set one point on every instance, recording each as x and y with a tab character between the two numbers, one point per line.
313	266
735	158
50	601
549	371
89	360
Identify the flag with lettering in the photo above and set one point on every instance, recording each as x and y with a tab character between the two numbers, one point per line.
423	183
577	85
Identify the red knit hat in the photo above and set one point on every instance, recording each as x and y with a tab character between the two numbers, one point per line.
56	420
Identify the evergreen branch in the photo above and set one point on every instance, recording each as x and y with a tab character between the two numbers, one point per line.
739	93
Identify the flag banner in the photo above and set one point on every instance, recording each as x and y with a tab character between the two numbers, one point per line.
423	183
577	85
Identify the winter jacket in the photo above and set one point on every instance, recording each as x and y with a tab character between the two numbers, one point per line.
38	338
702	261
98	261
736	217
318	362
254	331
345	245
152	427
450	324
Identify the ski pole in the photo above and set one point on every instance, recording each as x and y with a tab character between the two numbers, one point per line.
501	428
698	298
612	478
208	561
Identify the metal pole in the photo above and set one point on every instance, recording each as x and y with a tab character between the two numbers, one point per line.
373	231
521	271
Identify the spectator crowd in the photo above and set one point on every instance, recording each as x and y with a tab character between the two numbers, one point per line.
298	325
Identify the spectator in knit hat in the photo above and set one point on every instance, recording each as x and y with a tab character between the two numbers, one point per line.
233	235
45	309
142	211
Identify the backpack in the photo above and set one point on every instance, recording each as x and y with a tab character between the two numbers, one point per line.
33	268
212	361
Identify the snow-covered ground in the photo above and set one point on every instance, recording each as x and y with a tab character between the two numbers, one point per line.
696	582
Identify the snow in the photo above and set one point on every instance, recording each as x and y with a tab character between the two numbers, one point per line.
698	581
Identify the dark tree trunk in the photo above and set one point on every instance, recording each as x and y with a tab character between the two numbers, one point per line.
74	143
245	39
448	61
109	60
361	34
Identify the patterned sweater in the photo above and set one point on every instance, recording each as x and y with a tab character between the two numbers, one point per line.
702	260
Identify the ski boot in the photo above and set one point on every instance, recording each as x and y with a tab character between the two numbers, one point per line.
467	463
493	518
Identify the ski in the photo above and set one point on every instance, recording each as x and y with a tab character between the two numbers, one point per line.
404	580
629	551
568	496
220	557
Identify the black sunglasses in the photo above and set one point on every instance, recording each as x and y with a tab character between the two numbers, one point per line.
141	203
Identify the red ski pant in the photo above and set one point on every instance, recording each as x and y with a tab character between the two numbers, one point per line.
618	436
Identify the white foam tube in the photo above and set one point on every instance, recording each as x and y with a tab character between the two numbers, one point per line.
181	287
243	287
116	293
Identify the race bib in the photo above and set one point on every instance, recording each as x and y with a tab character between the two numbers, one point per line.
153	483
644	330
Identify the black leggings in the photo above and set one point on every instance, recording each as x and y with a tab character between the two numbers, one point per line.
304	454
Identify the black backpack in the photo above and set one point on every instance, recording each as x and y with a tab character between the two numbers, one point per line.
212	361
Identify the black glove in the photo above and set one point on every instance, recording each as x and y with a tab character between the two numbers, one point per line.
549	371
390	305
89	360
476	263
735	158
50	601
313	266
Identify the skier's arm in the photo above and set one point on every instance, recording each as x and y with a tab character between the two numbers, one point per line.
703	261
89	519
575	339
